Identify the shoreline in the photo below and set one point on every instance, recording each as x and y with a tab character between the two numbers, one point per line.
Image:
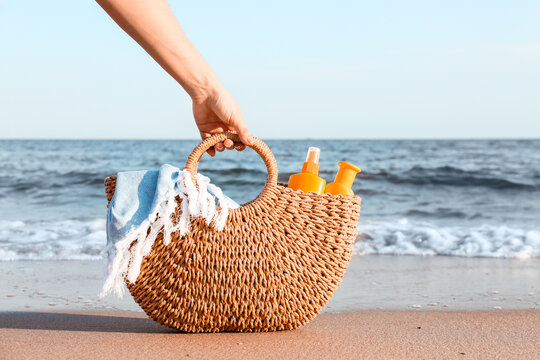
373	334
372	282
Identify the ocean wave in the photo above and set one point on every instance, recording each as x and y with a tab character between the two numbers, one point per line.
50	179
407	238
52	240
438	213
233	171
86	239
451	176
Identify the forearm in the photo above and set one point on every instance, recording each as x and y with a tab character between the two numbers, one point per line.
153	25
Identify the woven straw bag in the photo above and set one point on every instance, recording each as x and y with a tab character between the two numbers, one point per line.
275	265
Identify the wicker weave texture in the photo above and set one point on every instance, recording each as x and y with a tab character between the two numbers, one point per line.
275	265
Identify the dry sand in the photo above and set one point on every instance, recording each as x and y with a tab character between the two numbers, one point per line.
50	310
356	335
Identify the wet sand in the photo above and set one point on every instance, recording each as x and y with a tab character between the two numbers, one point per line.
371	283
357	335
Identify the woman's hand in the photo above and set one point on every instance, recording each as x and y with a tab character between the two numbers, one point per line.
153	25
216	112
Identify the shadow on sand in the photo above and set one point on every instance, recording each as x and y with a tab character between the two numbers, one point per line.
80	322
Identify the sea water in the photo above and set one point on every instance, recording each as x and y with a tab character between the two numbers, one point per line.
429	197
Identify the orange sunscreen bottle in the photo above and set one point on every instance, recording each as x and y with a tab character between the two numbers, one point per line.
308	179
344	180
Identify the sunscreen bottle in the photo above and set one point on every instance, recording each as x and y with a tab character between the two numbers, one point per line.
308	179
344	180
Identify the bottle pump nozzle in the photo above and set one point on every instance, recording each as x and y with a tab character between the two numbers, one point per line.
311	165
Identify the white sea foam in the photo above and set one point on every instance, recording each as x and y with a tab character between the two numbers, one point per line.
419	238
85	240
52	240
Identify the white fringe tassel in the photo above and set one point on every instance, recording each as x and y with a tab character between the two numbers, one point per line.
201	202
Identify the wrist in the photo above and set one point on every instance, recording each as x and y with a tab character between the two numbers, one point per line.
201	86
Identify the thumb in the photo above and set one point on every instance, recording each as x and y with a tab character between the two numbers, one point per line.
243	132
229	112
242	129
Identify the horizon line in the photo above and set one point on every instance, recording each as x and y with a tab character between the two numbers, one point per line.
281	139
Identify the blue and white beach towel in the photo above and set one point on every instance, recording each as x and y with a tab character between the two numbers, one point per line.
146	200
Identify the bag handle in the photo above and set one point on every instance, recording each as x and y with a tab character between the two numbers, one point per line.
258	145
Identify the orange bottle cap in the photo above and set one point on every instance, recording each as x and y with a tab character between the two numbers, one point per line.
308	180
346	173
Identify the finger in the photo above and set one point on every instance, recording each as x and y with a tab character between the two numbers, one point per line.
204	135
240	146
220	147
229	144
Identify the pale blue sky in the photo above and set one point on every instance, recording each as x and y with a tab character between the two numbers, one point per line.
321	69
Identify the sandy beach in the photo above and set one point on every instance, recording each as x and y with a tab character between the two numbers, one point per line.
356	335
395	307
